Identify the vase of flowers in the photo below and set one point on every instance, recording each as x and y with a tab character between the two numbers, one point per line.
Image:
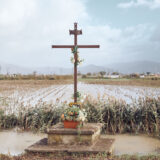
71	124
73	116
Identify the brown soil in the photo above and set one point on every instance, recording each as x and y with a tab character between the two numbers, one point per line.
130	82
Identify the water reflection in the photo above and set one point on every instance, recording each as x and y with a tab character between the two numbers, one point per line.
14	143
135	144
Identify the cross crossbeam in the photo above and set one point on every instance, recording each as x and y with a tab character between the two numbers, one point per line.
75	32
72	46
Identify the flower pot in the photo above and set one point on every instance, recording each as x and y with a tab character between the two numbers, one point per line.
71	124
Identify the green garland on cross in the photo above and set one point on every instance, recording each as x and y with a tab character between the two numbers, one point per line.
75	49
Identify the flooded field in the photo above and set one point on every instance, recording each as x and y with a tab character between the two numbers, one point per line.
33	95
14	143
135	144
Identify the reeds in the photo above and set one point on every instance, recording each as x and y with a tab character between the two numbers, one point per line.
117	116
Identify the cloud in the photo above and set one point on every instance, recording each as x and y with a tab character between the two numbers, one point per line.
151	4
127	44
120	44
12	12
28	28
156	35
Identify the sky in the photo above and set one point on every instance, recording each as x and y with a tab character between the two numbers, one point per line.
126	30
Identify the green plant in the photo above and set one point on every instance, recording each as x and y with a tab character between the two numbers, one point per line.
117	116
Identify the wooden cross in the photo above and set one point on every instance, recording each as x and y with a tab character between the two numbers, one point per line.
75	32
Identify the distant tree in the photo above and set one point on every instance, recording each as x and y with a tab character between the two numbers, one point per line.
34	73
102	73
7	69
88	74
134	75
84	76
108	73
148	73
79	73
115	73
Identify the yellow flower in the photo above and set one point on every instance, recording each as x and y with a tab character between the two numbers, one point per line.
71	104
75	103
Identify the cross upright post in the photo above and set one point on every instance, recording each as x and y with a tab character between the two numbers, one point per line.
75	32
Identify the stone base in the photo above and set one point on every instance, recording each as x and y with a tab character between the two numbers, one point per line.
103	145
88	134
83	140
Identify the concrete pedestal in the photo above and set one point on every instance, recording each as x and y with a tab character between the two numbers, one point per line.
88	134
85	139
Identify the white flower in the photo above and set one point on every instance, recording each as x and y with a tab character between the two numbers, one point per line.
74	106
36	114
82	100
82	116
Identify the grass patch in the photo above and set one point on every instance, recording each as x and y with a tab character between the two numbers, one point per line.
77	157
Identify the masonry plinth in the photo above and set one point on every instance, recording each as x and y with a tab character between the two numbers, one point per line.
88	134
84	139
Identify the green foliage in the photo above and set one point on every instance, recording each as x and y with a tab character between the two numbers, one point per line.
117	116
32	119
102	73
7	121
40	118
94	112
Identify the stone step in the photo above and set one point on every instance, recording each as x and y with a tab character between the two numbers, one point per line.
103	145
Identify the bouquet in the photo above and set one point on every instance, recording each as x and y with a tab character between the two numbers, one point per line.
74	113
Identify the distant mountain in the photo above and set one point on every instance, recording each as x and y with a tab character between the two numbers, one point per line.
93	69
54	70
129	67
136	67
11	69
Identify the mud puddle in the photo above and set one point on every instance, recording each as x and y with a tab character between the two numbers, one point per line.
135	144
